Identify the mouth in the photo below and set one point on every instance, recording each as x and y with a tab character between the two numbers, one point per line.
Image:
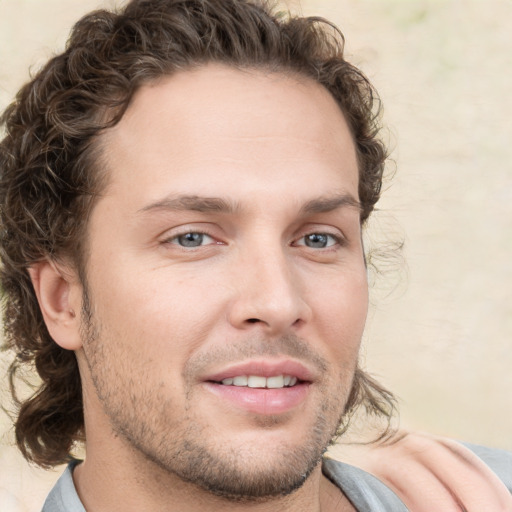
263	373
262	387
261	382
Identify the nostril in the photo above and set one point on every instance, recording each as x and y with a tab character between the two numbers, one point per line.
253	320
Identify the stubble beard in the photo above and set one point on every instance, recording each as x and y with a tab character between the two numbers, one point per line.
143	418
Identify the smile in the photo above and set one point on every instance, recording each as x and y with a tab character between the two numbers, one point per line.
257	381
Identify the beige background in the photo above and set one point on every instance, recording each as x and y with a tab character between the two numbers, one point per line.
440	329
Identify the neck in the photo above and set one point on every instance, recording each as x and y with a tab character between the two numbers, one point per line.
109	484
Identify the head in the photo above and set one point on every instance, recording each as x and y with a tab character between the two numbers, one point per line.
68	138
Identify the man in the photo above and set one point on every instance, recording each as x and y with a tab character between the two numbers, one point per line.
183	193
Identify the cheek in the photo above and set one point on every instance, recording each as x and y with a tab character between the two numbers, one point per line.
341	313
162	309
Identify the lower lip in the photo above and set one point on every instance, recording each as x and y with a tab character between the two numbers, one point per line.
261	400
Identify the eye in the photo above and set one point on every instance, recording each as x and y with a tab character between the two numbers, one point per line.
192	239
318	240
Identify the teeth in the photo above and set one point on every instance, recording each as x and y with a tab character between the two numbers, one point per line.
256	381
240	381
275	382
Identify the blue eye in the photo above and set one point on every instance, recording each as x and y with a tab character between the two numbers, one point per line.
192	239
319	240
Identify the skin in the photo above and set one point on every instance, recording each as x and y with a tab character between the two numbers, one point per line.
260	289
432	473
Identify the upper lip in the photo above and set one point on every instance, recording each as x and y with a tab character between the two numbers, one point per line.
264	368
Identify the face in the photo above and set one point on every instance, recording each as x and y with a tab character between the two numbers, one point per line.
225	280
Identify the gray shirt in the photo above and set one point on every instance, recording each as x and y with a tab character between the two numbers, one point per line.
365	492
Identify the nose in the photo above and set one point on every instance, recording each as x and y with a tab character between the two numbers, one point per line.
269	295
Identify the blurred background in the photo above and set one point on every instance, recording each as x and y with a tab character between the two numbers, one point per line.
439	331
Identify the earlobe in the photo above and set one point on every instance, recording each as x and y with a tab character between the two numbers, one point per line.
53	287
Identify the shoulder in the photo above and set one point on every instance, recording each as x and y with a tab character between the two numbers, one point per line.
63	497
364	491
434	473
499	461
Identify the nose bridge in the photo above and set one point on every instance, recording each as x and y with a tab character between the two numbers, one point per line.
270	292
274	280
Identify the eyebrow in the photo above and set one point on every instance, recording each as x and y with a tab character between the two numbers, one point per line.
329	204
220	205
193	203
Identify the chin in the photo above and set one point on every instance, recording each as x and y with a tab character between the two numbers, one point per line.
238	476
261	465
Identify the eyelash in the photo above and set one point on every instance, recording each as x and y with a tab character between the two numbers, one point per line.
335	239
174	240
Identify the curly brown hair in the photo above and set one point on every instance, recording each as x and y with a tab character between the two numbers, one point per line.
49	180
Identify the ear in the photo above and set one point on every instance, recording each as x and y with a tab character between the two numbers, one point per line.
56	291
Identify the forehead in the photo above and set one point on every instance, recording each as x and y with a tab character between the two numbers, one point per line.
200	130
